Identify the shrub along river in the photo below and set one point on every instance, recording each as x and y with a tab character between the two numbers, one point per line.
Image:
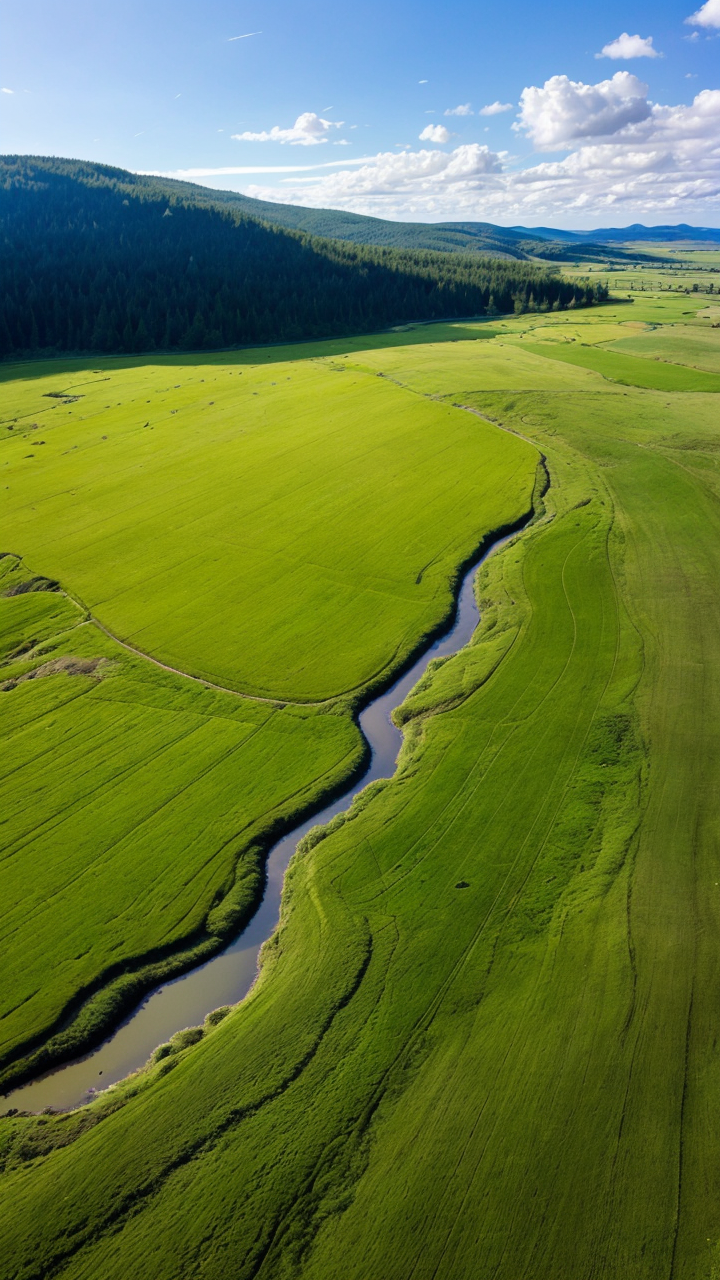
227	978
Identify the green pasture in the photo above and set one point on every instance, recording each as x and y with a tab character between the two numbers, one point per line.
483	1042
283	528
628	369
251	540
684	345
134	802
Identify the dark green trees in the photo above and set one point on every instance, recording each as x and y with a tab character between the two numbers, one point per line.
96	259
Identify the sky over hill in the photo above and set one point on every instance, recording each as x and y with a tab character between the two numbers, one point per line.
563	114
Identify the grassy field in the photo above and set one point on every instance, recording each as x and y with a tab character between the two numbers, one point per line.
301	534
280	527
483	1040
698	349
134	806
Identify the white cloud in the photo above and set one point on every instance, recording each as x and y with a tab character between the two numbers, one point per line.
422	81
564	111
7	90
234	170
463	110
415	175
309	129
707	16
662	167
435	133
495	108
629	47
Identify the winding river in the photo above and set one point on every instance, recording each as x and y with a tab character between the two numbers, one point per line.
227	978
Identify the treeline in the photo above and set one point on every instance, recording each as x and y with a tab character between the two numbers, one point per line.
93	259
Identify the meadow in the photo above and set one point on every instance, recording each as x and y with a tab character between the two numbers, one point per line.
483	1038
265	524
297	533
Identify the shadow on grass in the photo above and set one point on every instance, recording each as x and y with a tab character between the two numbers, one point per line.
274	353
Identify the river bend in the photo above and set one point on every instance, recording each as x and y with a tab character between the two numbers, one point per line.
228	976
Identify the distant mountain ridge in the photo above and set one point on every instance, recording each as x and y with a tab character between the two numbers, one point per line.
462	237
486	238
626	235
489	238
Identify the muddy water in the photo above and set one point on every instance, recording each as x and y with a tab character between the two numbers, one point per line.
186	1000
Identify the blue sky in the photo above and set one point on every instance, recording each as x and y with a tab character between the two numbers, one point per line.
346	105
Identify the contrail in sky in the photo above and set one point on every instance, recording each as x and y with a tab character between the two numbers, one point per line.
247	36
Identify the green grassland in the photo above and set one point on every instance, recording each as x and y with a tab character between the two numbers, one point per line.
298	531
697	349
135	805
266	524
629	370
483	1042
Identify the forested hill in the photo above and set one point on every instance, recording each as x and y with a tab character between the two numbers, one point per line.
96	259
442	237
337	224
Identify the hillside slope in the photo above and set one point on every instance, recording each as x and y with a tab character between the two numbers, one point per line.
96	259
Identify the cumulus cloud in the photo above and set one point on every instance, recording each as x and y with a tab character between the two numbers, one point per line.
413	174
707	16
463	110
435	133
7	90
665	166
629	47
495	108
309	129
564	111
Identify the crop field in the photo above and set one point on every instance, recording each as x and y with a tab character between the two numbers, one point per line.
483	1040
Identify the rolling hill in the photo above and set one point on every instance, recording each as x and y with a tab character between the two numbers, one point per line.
97	259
